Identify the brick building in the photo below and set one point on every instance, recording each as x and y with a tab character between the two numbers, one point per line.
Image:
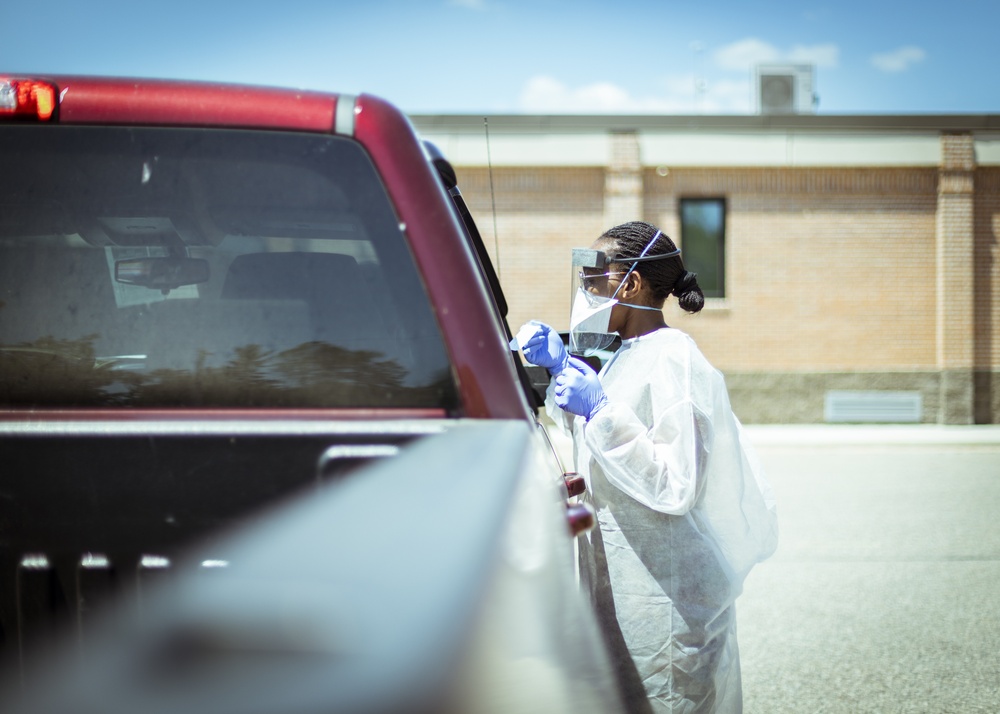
850	260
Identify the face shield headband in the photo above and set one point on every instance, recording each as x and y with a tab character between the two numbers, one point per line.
641	258
591	314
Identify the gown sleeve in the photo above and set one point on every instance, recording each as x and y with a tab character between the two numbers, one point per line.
659	466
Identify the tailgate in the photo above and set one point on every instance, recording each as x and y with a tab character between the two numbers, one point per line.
91	509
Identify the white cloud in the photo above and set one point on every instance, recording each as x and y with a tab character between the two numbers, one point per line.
898	60
827	55
546	95
743	54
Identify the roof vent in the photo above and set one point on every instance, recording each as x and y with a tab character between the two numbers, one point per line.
785	89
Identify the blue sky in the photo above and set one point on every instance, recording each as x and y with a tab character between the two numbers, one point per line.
534	56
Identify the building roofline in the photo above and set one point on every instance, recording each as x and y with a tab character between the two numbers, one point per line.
822	123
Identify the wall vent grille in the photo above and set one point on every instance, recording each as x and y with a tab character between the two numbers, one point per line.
873	406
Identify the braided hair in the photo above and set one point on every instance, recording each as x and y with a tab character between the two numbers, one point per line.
665	277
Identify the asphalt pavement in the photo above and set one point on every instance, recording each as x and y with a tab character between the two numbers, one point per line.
884	594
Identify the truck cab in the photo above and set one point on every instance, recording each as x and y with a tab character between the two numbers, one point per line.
218	302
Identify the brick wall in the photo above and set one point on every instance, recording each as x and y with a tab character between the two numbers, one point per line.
826	269
541	213
986	288
874	278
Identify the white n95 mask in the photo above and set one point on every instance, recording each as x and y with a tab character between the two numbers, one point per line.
588	323
590	319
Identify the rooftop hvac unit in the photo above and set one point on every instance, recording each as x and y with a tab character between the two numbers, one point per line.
785	89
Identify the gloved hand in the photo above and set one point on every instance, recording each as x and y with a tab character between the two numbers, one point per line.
541	345
578	390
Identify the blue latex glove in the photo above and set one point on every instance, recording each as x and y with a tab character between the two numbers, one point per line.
542	345
578	390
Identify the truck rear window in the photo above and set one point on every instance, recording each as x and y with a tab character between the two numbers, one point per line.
157	267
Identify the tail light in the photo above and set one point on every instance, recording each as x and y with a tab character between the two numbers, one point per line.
580	517
27	98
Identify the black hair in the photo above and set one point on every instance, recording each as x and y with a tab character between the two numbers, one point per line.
665	277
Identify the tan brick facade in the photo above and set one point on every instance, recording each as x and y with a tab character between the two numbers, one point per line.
986	282
837	277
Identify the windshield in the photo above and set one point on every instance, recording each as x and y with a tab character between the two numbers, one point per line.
153	267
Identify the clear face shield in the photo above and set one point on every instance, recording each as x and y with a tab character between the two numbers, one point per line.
592	300
596	280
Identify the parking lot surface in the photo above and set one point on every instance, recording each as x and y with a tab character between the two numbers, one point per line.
882	596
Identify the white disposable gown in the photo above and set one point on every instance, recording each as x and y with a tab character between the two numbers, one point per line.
683	514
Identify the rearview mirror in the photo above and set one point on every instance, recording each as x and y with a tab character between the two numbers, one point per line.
162	273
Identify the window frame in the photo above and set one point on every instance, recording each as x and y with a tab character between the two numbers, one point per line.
720	293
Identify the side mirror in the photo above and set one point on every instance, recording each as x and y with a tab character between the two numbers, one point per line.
575	485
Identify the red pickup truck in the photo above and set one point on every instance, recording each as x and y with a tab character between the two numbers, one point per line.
258	413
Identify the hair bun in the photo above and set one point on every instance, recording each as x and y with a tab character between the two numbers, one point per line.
686	282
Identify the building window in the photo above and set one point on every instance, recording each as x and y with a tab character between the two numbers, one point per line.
703	240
